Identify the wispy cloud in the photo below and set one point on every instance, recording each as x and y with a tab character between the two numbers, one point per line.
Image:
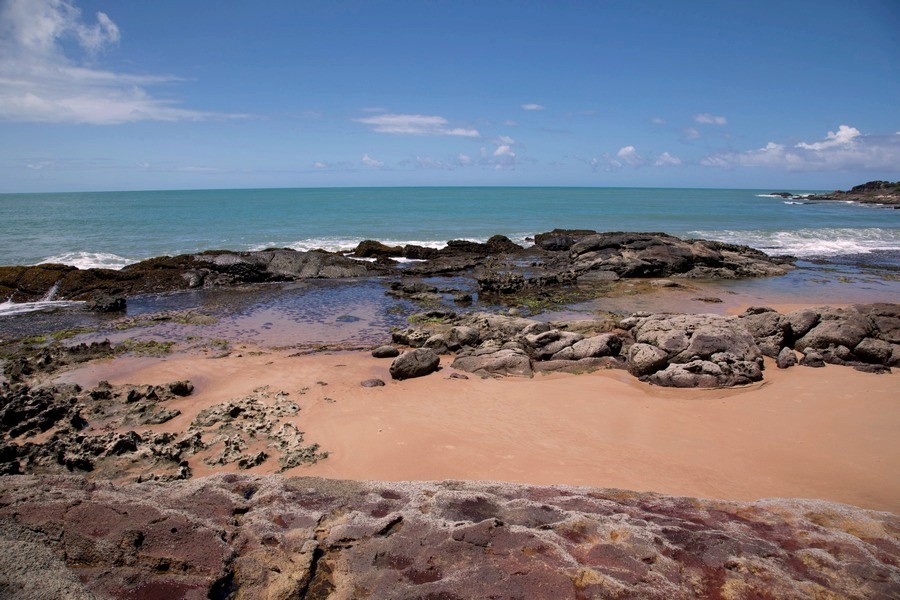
40	82
371	162
708	119
666	160
398	124
691	133
658	121
845	149
629	155
532	107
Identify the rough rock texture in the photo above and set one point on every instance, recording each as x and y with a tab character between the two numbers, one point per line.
168	273
492	360
52	428
415	363
700	351
786	358
236	536
661	255
385	352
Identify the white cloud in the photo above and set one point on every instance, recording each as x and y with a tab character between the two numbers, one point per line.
511	123
845	150
320	165
504	150
667	160
40	83
691	133
629	156
844	136
415	125
464	159
505	139
708	119
532	107
371	162
143	165
658	121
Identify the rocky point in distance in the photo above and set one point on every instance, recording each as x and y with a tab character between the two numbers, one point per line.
886	193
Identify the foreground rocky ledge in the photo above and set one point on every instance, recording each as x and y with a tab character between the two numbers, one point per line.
235	536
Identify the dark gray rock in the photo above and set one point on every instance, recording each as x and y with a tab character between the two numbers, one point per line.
385	352
104	303
871	350
605	344
811	358
415	363
786	358
368	383
848	331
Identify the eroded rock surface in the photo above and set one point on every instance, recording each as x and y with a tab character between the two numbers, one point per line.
234	536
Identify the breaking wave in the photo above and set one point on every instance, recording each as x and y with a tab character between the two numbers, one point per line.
811	242
90	260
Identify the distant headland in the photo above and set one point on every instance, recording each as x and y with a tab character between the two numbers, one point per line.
872	192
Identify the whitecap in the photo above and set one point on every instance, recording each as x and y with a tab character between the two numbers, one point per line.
90	260
829	241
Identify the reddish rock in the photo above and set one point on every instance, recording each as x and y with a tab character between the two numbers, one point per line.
254	537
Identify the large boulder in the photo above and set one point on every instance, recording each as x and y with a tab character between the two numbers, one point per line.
849	332
415	363
769	329
375	249
543	346
697	342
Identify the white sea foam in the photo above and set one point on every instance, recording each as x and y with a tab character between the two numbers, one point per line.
342	244
90	260
16	308
832	241
793	202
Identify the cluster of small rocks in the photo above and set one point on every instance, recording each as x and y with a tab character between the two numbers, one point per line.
673	350
231	427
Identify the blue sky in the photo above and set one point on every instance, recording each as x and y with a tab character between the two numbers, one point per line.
108	95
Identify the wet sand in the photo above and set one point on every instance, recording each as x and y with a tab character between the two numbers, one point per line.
827	433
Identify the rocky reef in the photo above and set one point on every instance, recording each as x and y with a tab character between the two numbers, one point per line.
234	536
500	267
674	350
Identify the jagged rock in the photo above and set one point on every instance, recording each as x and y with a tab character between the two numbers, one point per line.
491	361
385	352
582	365
415	363
275	537
786	358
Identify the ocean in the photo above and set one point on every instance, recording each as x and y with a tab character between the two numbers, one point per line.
113	229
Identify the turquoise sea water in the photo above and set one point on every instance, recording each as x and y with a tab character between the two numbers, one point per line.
114	228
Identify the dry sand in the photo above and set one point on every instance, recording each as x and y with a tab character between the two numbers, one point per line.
829	433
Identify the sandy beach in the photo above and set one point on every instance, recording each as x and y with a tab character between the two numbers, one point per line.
825	433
